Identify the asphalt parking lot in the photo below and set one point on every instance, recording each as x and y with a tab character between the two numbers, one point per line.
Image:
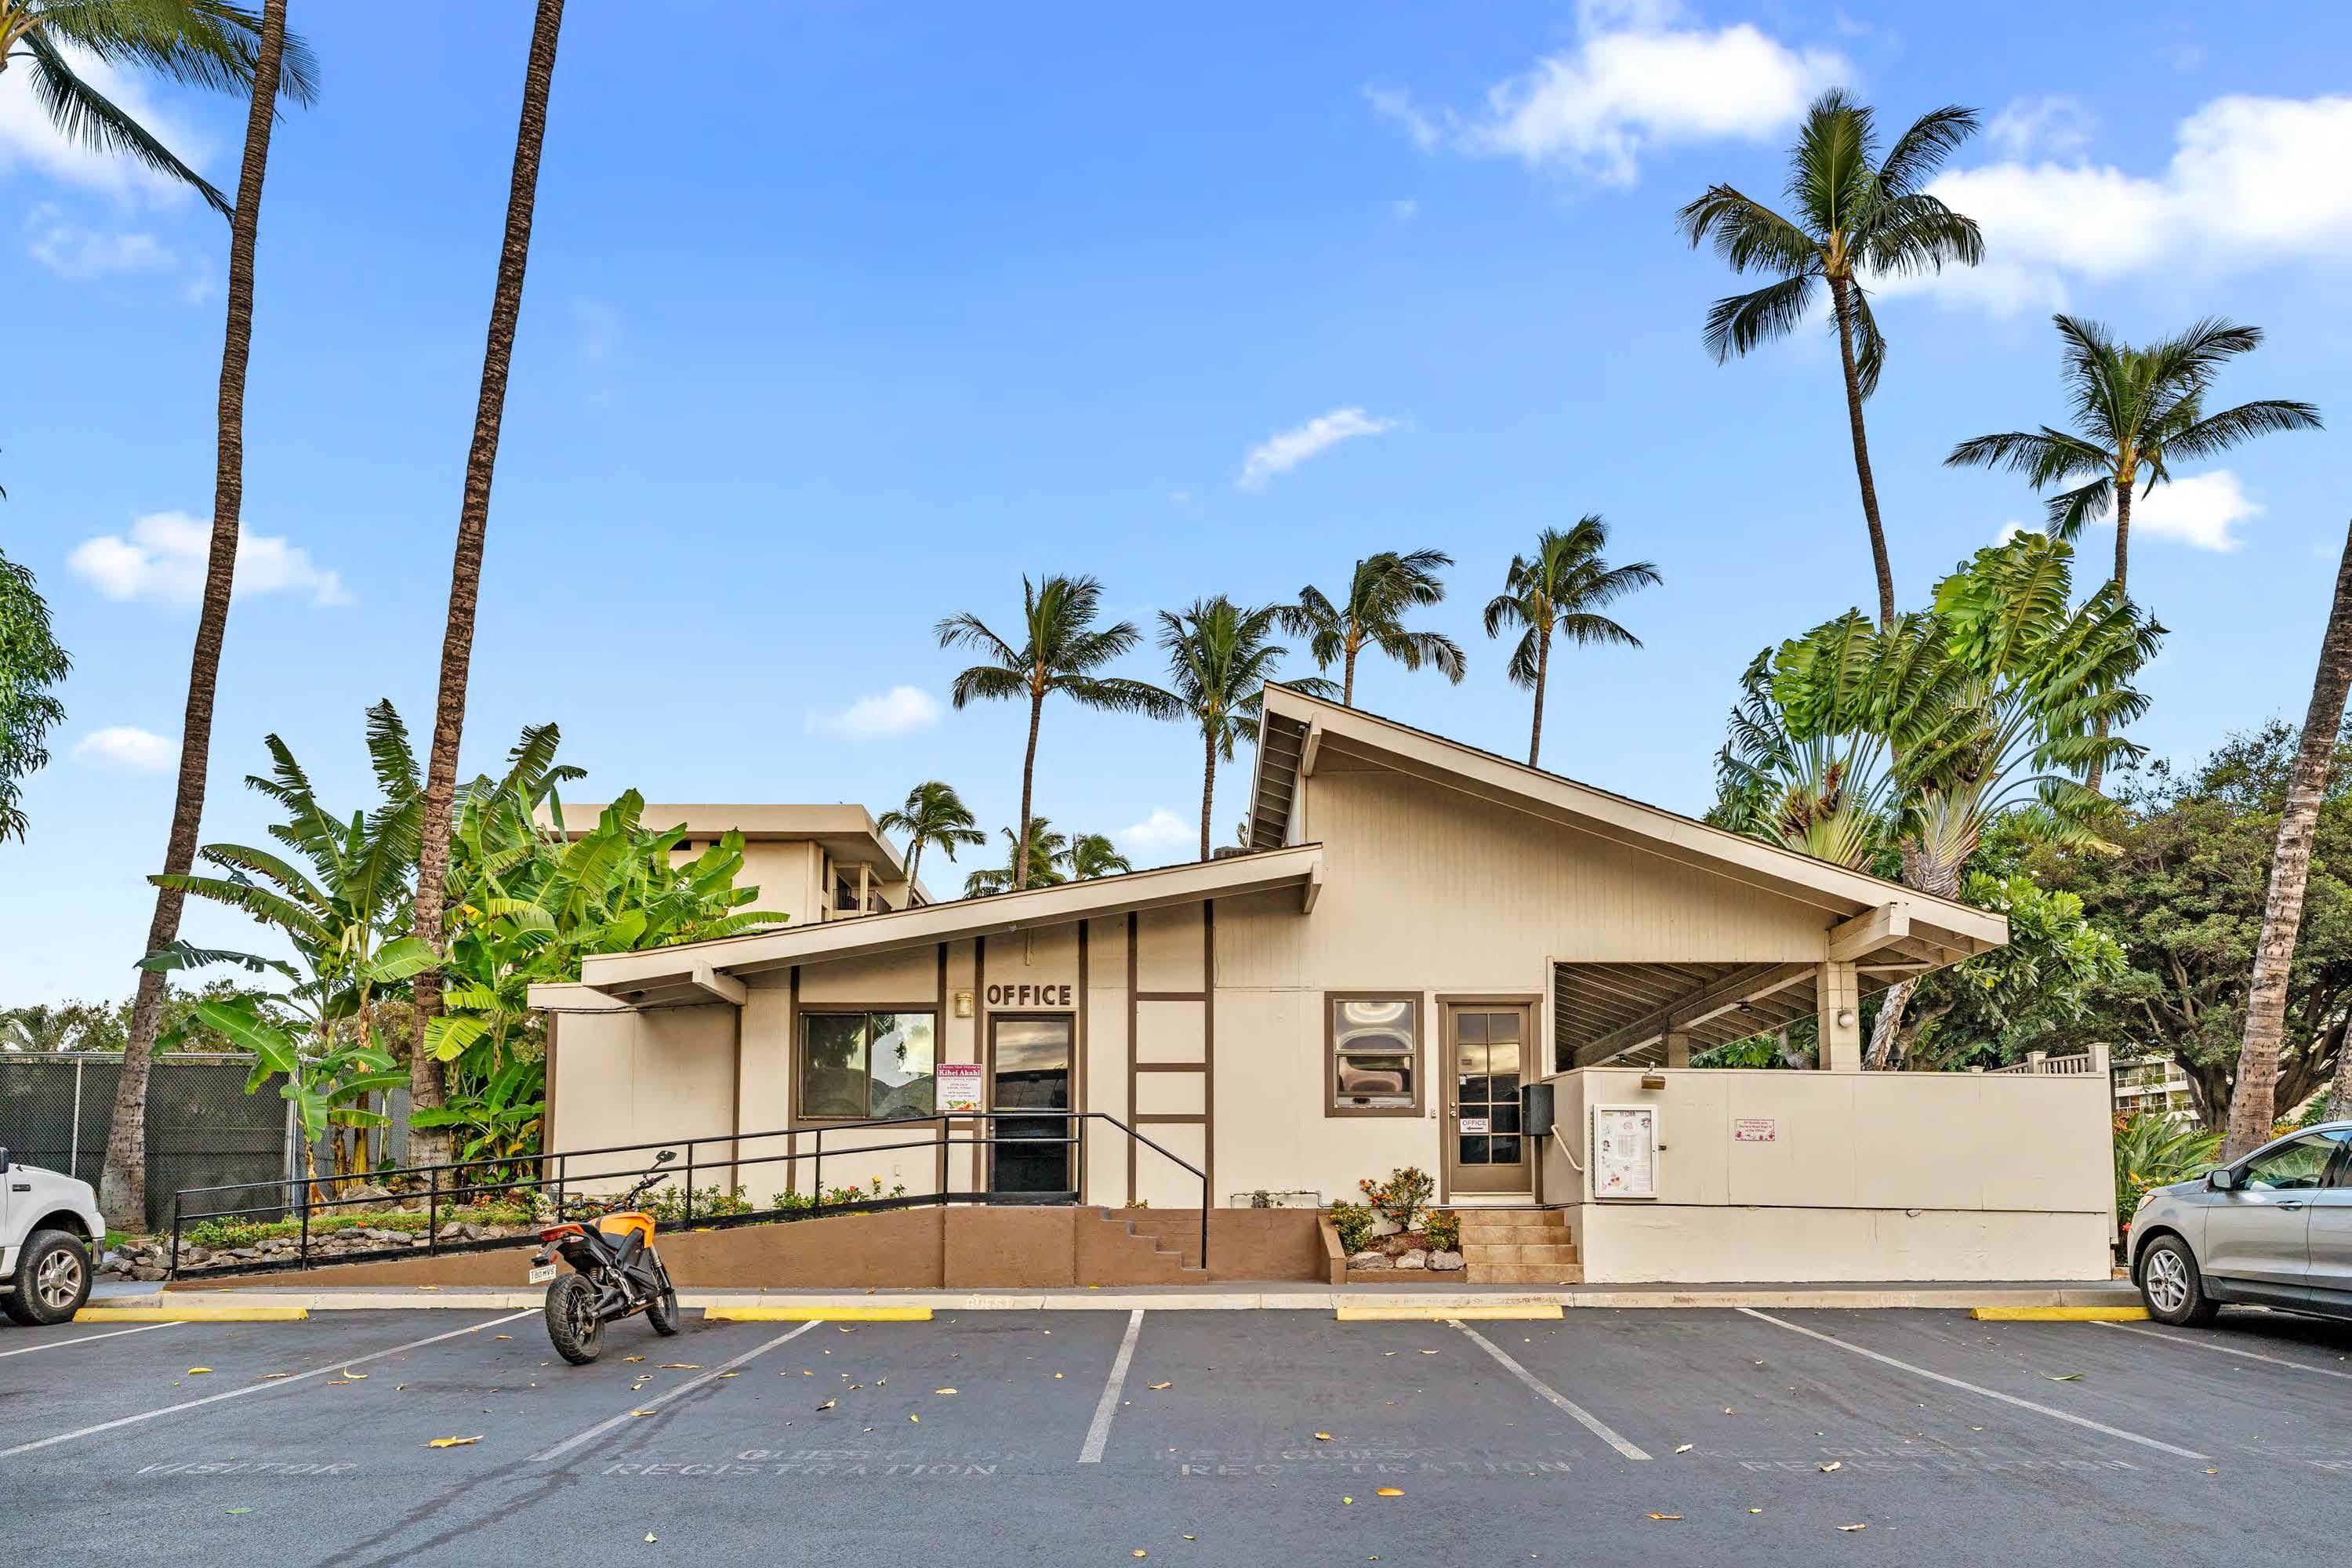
1191	1436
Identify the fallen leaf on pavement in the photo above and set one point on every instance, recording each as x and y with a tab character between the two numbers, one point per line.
641	1413
1685	1449
1347	1500
1665	1516
1850	1527
1139	1551
238	1511
943	1391
453	1442
915	1419
1391	1491
650	1536
1158	1385
1833	1465
681	1366
1756	1511
198	1371
1322	1436
2064	1377
633	1358
501	1336
828	1405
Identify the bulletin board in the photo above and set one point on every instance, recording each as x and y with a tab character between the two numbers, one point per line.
1624	1154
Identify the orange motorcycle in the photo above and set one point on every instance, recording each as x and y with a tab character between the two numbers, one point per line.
615	1272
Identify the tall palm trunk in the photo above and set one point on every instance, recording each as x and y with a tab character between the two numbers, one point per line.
914	860
2123	560
1028	778
1841	291
1543	672
425	1090
123	1183
1208	790
1885	1052
1347	680
2251	1101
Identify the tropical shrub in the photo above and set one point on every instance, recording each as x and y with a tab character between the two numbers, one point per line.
2153	1150
1443	1229
1354	1222
1402	1197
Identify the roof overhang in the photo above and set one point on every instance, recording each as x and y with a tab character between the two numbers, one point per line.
705	971
1933	932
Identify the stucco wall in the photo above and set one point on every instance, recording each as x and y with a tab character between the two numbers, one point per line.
1866	1176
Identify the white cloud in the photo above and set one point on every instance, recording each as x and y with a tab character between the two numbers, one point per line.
2053	125
2202	510
901	711
2252	182
1163	830
163	561
1641	75
122	748
1283	451
28	140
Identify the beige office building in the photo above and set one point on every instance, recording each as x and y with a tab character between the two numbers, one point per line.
1417	932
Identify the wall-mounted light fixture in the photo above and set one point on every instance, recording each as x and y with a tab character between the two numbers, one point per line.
1654	1080
963	1004
1846	1018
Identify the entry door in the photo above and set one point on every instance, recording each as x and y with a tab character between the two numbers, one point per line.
1487	1047
2261	1229
1031	1059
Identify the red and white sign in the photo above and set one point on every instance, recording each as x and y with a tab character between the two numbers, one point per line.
1756	1129
959	1084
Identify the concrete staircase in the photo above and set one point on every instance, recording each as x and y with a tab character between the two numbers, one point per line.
1166	1248
1518	1246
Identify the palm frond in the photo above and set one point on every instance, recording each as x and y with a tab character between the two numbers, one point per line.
82	113
1738	323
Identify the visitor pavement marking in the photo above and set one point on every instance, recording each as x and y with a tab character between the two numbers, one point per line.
1577	1413
85	1339
2050	1411
1099	1434
288	1382
2187	1343
659	1400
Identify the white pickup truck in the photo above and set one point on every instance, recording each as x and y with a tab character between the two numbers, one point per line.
49	1230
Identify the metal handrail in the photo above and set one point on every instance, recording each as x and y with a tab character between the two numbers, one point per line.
941	1139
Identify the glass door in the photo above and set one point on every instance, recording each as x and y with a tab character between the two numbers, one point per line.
1031	1057
1487	1047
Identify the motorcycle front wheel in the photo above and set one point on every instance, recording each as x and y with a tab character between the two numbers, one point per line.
572	1325
662	1311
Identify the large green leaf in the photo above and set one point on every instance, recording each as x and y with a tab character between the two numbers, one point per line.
241	1022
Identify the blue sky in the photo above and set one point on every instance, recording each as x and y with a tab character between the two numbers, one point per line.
845	323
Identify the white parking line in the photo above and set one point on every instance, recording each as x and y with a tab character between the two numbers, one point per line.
1577	1413
659	1400
2187	1343
2052	1413
85	1339
1099	1434
258	1387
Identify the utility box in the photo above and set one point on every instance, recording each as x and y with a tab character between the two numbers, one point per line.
1535	1109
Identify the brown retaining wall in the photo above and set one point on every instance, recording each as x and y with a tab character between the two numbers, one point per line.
971	1247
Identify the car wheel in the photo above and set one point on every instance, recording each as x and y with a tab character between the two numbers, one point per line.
52	1279
2171	1286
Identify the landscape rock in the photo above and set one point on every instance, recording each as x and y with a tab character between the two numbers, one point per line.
1413	1258
1370	1260
1445	1260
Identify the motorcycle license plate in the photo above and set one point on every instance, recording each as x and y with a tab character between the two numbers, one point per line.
543	1274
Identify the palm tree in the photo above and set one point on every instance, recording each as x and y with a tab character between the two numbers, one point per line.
1048	853
1093	854
1858	217
193	43
933	814
1380	591
1219	657
2134	410
1560	590
1062	652
2251	1107
123	1181
465	569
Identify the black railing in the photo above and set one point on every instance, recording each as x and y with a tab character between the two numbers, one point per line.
541	1186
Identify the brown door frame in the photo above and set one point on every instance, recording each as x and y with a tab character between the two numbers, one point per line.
1448	1004
1068	1015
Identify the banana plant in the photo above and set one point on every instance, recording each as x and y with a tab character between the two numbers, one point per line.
327	1087
494	1118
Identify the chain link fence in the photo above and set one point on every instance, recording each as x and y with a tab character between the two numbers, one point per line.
202	1128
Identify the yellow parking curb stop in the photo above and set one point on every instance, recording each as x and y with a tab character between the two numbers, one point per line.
2059	1314
205	1312
751	1314
1529	1312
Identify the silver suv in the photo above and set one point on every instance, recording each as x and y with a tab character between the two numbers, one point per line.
2275	1228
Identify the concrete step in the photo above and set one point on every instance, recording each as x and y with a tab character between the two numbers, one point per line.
1545	1252
1526	1273
1501	1235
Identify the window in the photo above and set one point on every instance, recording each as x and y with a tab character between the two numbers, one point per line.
2290	1166
858	1066
1374	1055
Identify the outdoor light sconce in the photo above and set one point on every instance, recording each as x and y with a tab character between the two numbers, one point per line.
1654	1080
963	1004
1846	1018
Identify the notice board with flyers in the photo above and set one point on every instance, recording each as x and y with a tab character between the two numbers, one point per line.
1624	1151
